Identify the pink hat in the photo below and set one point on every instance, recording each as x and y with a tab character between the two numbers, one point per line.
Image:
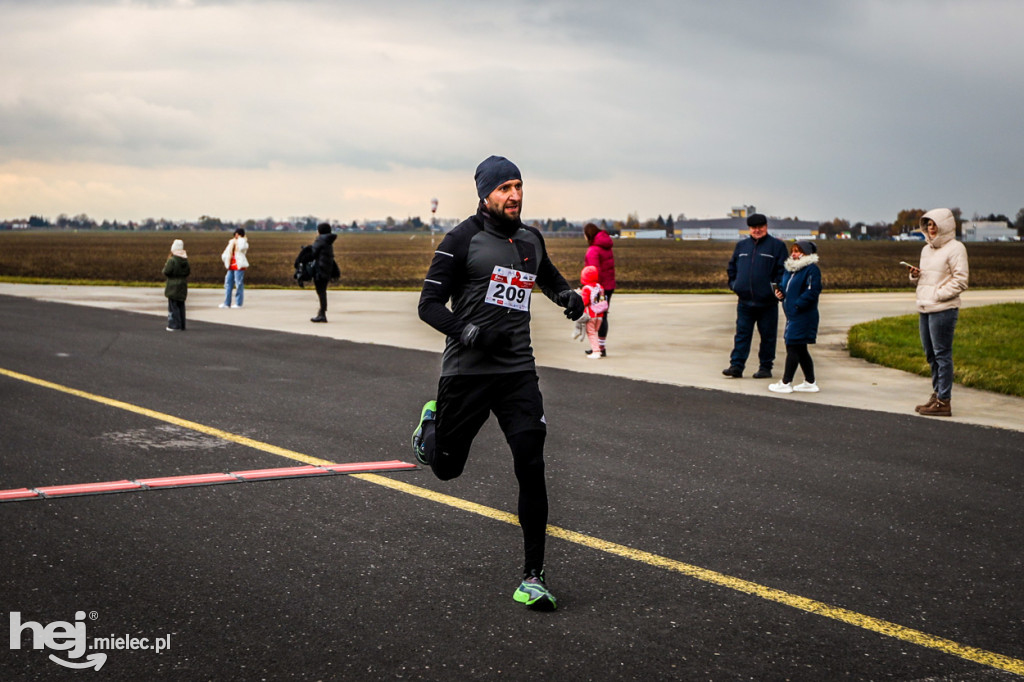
589	275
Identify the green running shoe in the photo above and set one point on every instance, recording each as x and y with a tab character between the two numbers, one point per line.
427	414
534	593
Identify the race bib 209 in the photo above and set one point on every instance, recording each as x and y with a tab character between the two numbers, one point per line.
510	288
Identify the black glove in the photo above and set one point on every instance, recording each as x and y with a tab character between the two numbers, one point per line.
483	339
573	304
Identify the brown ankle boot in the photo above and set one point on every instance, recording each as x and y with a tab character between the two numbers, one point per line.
940	408
931	401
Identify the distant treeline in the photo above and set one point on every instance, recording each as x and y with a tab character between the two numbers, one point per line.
907	220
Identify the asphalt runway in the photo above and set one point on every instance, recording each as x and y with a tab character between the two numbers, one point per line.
695	534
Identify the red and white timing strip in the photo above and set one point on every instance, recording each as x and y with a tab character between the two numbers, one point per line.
137	485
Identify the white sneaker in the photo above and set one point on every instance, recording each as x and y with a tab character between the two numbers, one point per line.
780	387
595	356
807	387
223	305
236	306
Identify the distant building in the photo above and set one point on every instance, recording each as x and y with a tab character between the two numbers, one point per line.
988	231
742	211
735	228
642	234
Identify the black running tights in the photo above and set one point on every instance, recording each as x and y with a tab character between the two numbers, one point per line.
528	455
528	461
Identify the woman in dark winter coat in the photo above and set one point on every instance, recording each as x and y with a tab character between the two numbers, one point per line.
325	267
799	292
176	270
599	254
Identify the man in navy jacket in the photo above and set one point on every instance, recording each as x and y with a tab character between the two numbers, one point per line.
756	264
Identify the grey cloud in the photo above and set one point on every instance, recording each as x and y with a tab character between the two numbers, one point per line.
840	106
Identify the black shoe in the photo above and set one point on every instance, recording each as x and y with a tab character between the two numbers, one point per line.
319	318
588	352
604	353
735	371
763	374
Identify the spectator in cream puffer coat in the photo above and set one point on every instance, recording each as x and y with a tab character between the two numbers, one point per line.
940	278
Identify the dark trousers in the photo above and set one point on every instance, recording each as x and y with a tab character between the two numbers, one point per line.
464	403
766	319
175	314
602	331
797	354
321	293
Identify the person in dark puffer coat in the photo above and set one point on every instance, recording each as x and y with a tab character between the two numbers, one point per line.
176	270
799	292
326	267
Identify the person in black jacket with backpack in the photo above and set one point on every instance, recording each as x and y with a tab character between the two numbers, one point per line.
756	265
324	267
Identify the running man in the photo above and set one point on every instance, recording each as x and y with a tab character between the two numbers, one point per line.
488	267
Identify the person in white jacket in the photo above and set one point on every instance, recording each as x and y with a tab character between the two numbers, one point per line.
941	278
236	262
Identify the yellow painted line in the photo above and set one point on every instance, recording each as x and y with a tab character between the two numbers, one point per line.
836	613
771	594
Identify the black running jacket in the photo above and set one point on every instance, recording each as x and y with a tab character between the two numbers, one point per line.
461	272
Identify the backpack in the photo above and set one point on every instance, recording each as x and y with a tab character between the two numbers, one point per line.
600	305
305	265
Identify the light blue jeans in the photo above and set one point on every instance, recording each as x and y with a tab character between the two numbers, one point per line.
234	279
937	339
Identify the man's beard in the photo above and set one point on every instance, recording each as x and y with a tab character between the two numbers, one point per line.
504	219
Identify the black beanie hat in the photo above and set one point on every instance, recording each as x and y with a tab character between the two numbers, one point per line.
756	220
492	172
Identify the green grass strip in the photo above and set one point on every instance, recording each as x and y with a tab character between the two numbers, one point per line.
987	349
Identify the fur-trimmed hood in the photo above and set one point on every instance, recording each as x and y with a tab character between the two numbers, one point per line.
800	263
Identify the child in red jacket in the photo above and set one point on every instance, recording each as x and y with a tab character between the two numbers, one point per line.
596	306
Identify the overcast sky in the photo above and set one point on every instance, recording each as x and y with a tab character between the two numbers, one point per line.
358	110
